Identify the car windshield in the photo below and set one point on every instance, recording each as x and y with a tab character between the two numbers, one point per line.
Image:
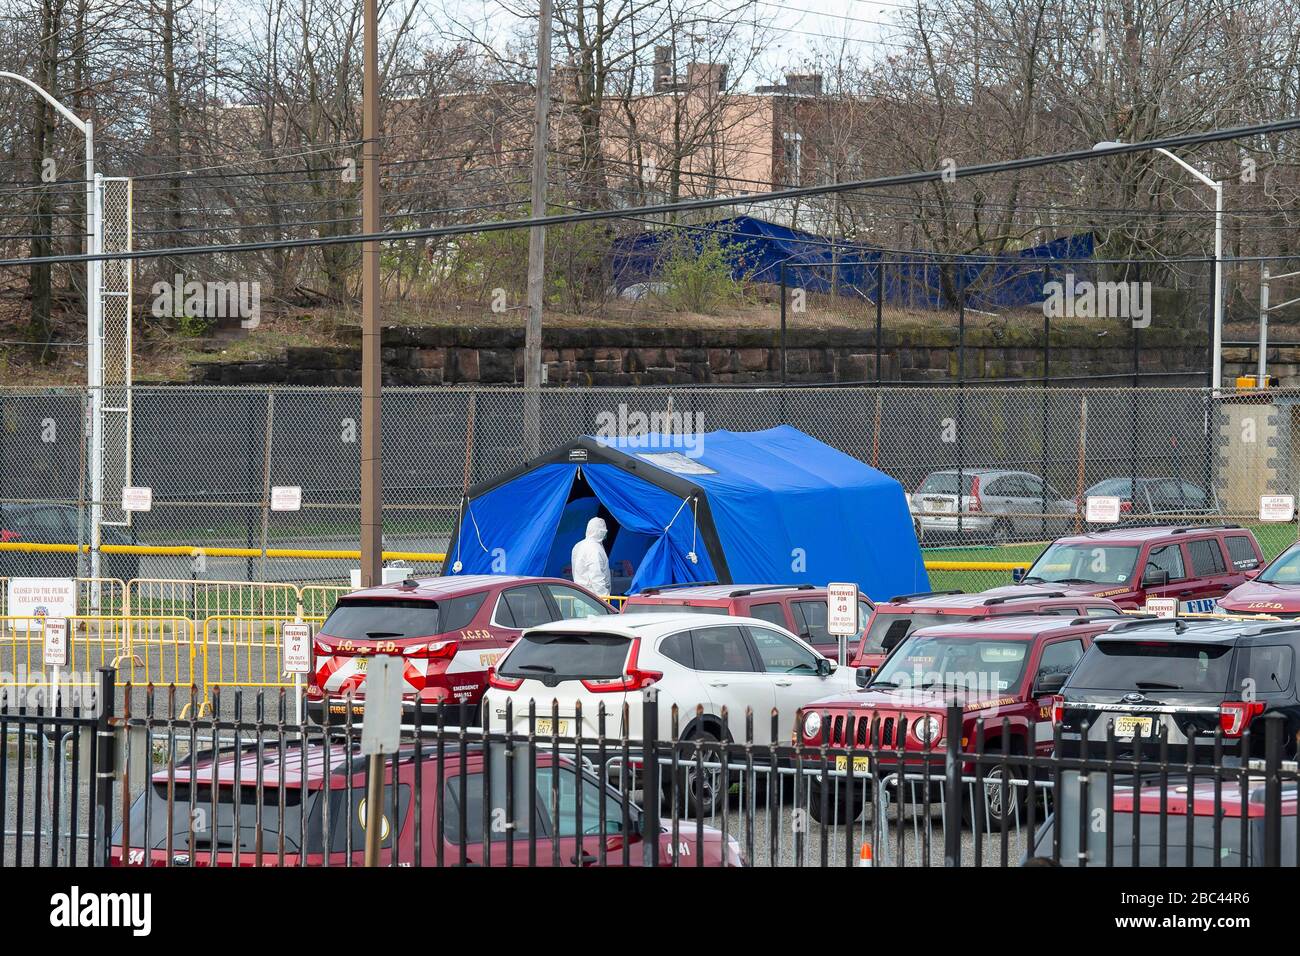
993	665
945	483
218	832
665	607
895	627
1153	666
358	620
551	656
1285	569
1085	564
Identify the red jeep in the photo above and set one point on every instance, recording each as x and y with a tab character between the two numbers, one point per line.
893	620
221	825
1193	564
799	608
449	630
1000	667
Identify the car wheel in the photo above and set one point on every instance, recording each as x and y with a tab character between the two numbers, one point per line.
841	806
998	814
700	793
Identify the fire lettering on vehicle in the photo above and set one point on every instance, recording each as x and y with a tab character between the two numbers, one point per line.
1111	591
479	634
980	705
488	660
1264	606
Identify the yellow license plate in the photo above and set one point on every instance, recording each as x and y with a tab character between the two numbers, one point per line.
1132	726
860	764
362	664
545	725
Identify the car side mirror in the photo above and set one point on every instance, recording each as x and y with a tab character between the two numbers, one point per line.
825	667
1049	683
1155	577
863	676
1017	575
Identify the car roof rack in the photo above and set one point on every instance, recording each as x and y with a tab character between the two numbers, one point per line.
1272	627
901	598
1003	599
1132	625
1188	528
745	592
671	587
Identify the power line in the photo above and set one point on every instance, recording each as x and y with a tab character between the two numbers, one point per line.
903	179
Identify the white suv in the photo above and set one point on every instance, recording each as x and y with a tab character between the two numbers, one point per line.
692	660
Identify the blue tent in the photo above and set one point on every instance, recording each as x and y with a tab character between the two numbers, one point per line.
759	248
766	507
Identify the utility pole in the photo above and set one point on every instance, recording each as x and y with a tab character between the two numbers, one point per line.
537	240
372	491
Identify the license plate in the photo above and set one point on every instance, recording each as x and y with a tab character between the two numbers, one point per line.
361	664
545	727
860	764
941	504
1132	726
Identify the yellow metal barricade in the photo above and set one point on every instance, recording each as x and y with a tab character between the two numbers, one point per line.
94	595
318	599
199	599
145	650
245	650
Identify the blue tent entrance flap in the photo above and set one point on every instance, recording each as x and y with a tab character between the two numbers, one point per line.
819	264
766	507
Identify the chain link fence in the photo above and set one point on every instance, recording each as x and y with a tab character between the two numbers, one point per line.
990	471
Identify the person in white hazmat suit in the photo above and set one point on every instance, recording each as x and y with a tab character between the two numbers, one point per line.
589	562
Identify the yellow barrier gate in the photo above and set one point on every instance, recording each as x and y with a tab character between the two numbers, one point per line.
145	650
245	650
200	599
94	595
317	600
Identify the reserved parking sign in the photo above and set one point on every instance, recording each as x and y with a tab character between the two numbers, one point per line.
296	649
842	609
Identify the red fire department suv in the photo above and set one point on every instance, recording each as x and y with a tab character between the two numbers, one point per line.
449	631
799	608
894	619
1002	667
305	819
1275	590
1194	564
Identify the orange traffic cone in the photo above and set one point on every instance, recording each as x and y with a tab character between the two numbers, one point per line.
864	855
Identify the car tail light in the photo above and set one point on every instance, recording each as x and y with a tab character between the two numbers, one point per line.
1058	709
503	683
1235	715
634	677
434	651
975	502
1126	506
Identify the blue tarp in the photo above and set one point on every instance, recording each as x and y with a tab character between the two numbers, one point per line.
785	509
818	264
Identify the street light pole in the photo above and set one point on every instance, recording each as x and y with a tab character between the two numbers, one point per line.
94	320
1216	348
537	240
372	494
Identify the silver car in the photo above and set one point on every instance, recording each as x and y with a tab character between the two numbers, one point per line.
994	505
